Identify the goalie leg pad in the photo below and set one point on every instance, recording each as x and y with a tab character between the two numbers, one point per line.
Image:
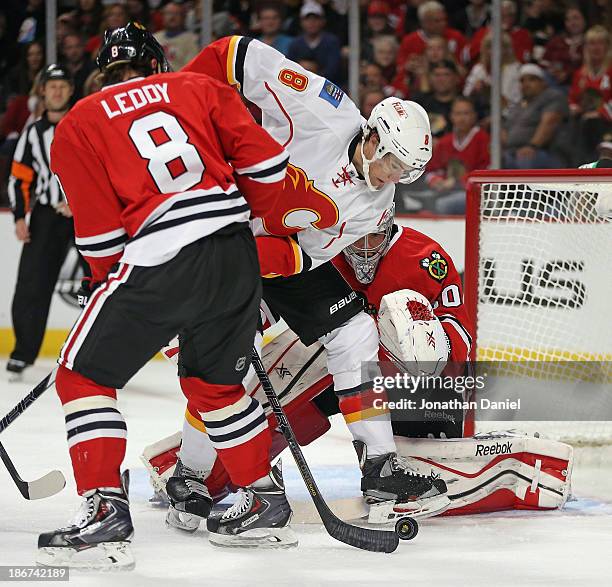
496	471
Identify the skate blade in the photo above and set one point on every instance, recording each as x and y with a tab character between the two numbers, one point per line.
106	556
388	512
257	538
182	520
15	377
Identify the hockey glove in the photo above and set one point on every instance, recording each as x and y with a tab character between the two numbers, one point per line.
88	286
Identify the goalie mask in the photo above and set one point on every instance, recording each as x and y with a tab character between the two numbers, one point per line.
404	137
365	254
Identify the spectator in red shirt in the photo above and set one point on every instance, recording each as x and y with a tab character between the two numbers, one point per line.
433	20
457	153
522	43
563	53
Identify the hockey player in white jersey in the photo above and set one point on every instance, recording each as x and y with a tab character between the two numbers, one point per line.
340	184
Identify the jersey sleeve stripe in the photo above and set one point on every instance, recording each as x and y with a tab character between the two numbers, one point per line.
108	244
241	51
219	204
99	246
467	339
188	206
278	176
216	213
297	254
231	54
106	252
102	237
274	170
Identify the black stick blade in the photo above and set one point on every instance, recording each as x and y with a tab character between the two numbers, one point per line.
364	538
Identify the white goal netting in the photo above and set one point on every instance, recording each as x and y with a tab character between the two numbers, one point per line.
544	308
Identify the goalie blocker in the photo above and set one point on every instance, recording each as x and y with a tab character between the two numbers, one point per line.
486	473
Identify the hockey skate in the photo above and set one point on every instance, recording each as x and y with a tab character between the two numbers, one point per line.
15	369
98	539
393	489
259	518
190	501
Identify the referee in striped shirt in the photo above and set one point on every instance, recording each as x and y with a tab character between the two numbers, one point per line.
43	222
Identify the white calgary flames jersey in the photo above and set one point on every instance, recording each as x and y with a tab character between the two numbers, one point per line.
324	201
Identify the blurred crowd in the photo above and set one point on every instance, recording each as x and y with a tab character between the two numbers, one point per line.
556	69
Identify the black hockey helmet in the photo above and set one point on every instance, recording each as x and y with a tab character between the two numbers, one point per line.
132	43
53	72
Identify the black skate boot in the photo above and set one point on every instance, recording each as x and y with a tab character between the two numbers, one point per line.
259	518
190	501
15	368
98	539
394	488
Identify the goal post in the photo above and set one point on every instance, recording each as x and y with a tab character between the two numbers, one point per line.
538	286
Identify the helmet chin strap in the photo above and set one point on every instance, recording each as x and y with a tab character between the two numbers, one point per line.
365	163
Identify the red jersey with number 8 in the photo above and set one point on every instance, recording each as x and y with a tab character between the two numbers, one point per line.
152	164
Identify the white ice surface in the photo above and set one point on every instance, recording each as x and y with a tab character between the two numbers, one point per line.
572	547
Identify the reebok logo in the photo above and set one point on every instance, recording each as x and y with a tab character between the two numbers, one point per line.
493	449
343	302
249	520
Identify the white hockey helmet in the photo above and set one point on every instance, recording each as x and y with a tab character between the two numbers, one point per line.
404	134
365	254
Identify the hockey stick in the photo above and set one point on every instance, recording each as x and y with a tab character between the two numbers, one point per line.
49	484
364	538
28	400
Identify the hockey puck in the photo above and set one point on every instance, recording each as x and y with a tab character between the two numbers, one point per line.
406	528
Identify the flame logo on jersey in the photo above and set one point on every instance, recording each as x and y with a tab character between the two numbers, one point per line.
301	205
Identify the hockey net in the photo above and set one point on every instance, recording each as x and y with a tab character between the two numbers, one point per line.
538	282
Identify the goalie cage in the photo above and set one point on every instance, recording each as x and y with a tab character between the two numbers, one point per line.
538	283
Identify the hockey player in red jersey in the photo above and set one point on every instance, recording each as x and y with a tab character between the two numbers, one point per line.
340	181
162	172
396	258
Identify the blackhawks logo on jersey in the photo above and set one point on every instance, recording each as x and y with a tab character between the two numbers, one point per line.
436	266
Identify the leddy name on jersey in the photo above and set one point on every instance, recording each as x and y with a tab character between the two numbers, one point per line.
134	99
